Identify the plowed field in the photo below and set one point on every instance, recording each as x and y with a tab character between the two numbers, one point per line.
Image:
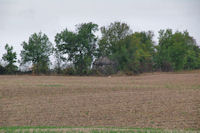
158	100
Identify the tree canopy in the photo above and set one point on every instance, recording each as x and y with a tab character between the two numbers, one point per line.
80	46
134	54
111	35
37	51
176	51
10	57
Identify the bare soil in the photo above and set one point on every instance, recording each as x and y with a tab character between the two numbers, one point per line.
157	100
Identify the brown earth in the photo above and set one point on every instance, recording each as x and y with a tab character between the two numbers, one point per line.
158	100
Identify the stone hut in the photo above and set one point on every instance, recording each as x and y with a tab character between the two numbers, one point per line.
104	66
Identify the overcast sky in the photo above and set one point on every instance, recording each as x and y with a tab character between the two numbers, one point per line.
21	18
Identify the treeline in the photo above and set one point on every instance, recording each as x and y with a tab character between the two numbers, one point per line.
118	50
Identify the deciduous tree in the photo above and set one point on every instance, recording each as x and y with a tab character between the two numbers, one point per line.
80	46
176	51
134	54
110	36
37	51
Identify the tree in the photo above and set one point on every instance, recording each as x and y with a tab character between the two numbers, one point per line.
134	54
37	51
10	57
110	36
192	60
176	51
79	46
162	58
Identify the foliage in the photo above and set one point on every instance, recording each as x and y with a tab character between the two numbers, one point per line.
110	36
59	61
135	52
127	52
176	51
80	46
193	56
37	51
10	57
2	69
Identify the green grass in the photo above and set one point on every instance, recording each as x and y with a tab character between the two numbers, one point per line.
88	130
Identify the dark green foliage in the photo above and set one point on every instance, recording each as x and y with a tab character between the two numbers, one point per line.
176	51
193	57
2	69
110	36
10	57
134	54
37	51
80	46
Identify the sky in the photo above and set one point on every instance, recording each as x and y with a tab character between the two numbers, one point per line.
21	18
